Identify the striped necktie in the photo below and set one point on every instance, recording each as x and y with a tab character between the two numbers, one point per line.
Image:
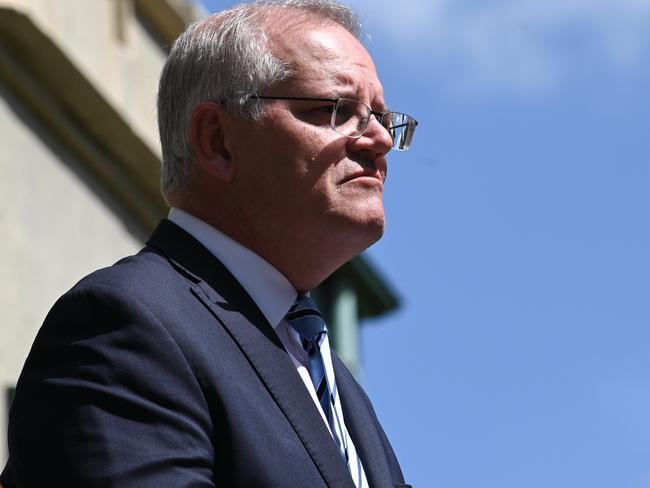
308	322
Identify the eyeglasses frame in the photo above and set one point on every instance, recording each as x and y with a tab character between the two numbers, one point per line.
378	115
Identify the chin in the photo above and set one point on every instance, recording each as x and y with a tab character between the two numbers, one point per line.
353	225
376	230
367	230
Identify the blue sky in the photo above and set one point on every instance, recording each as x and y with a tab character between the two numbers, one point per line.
518	238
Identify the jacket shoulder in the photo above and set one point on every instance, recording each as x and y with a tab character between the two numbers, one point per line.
132	274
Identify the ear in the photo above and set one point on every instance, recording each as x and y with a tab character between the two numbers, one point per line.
208	141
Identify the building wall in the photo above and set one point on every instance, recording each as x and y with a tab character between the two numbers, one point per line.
57	225
115	50
57	221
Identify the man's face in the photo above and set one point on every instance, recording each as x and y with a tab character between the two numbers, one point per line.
299	181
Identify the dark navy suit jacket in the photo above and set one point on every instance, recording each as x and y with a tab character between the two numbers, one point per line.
160	371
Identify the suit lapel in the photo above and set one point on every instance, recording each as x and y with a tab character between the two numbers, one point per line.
220	292
361	426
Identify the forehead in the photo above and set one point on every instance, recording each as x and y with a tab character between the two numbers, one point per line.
319	51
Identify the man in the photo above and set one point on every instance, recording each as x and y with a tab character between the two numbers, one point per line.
202	361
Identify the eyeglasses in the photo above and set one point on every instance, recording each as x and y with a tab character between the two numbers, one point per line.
350	118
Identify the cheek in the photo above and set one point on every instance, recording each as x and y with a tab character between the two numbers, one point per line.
323	156
304	160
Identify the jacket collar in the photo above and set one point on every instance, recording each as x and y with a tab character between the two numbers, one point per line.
215	287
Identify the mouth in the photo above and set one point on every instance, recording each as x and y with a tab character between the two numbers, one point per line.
362	177
372	175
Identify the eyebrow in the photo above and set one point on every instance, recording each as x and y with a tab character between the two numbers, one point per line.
350	84
353	90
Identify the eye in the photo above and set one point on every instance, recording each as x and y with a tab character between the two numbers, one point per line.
346	111
318	115
326	109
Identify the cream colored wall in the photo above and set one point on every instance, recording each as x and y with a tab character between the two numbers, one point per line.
124	68
56	227
56	224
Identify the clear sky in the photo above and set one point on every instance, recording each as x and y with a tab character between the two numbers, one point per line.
518	236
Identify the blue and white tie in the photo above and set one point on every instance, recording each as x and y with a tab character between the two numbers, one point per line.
308	322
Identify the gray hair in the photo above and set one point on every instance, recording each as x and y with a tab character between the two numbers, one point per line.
224	58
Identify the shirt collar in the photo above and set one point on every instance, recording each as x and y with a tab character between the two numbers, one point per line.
268	288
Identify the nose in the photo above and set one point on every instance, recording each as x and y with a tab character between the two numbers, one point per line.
376	140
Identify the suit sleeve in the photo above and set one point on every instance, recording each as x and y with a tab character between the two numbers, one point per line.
107	398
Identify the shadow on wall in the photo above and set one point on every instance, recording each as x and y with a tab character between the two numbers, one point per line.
63	155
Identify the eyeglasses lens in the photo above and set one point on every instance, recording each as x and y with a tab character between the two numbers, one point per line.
351	118
401	128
